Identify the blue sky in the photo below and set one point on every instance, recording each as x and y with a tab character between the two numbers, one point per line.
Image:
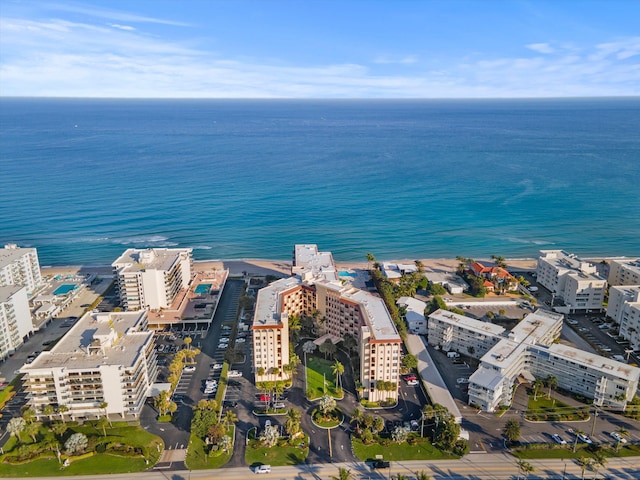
319	49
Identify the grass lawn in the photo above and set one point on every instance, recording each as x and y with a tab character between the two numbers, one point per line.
422	450
98	464
319	370
533	453
198	459
545	409
277	456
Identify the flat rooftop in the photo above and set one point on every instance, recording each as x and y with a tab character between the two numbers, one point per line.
136	260
100	338
375	313
467	323
9	255
8	291
597	362
267	311
312	264
562	260
535	325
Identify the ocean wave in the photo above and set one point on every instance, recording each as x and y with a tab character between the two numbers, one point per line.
529	242
202	247
152	240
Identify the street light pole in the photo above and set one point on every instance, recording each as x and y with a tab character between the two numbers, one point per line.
595	416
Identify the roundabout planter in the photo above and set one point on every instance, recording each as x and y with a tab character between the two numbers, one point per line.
338	418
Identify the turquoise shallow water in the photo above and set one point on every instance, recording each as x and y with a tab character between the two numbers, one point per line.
84	179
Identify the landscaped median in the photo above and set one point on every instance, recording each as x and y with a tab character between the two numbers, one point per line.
543	409
417	449
282	451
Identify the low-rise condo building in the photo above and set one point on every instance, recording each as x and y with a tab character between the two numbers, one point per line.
316	290
20	266
152	278
527	352
624	272
571	280
414	314
15	319
105	364
624	309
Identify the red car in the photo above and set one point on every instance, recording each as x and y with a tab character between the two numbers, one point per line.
264	398
409	378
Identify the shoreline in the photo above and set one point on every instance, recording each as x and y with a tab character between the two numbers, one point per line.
262	266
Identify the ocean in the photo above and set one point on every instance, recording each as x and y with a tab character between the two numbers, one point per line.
84	179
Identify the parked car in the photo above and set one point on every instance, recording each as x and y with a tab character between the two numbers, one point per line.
229	404
558	439
264	398
240	340
189	368
381	464
572	322
223	346
463	380
414	425
216	366
409	377
412	382
618	437
262	469
279	405
584	438
234	373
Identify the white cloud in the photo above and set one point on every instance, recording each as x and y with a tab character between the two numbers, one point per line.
122	27
106	13
63	58
540	47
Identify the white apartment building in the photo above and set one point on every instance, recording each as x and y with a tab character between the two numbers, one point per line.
619	296
414	314
152	278
15	318
528	352
572	280
20	266
105	357
344	310
624	272
458	333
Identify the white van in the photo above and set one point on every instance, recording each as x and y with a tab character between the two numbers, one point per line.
263	469
453	354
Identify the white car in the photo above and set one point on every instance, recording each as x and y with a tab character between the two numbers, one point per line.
234	373
263	469
412	382
189	368
463	380
241	340
216	366
558	439
224	340
618	437
584	438
223	346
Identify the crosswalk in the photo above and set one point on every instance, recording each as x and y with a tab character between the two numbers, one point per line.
598	437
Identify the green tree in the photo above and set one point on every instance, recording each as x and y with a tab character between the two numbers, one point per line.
58	429
62	409
294	326
343	474
32	429
552	383
161	401
49	411
436	303
578	432
378	424
328	348
349	342
292	425
102	423
512	430
187	341
269	436
215	432
229	418
16	426
338	369
327	404
525	468
409	361
370	260
103	407
537	385
76	443
422	475
357	415
399	434
29	414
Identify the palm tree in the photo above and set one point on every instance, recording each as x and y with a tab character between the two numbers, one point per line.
102	423
308	347
49	410
292	425
15	427
525	467
229	418
187	341
103	406
512	430
349	342
32	430
328	348
343	474
294	327
422	475
428	412
537	385
58	428
62	409
357	415
29	415
338	369
598	461
552	382
370	260
378	424
584	463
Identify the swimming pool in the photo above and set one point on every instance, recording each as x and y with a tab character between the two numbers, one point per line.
347	274
203	288
64	289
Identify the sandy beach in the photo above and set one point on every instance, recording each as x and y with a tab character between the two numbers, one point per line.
281	267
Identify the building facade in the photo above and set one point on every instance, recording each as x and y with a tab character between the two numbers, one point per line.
414	314
105	364
152	278
15	319
624	272
316	290
571	280
20	266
